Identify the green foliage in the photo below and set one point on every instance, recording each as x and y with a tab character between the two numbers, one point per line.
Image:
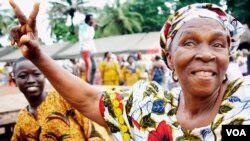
63	32
153	20
240	10
59	11
133	16
118	19
7	20
183	3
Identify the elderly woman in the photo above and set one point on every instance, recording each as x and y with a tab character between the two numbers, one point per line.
196	42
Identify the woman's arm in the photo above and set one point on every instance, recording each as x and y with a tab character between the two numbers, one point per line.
78	93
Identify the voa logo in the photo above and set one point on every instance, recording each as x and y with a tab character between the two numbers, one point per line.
236	132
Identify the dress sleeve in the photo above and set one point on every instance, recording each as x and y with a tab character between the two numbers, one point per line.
101	67
18	132
84	123
139	73
123	110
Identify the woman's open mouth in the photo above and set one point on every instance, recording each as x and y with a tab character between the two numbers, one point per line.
32	89
204	74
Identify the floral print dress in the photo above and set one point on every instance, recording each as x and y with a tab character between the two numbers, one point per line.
56	121
146	112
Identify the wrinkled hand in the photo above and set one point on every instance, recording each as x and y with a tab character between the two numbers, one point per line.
25	35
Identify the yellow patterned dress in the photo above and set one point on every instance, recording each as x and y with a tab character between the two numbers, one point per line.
110	72
130	75
56	121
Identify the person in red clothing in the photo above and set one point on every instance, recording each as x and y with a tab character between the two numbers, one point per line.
87	46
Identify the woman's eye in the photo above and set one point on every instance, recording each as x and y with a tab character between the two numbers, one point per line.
189	43
218	45
37	74
22	76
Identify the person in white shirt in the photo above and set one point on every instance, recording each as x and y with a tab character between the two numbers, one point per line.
233	70
87	46
242	62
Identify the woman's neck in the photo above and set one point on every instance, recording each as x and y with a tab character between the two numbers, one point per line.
198	105
35	102
196	112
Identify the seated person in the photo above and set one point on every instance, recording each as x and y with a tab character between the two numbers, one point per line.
48	116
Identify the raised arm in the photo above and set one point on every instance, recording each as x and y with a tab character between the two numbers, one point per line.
78	93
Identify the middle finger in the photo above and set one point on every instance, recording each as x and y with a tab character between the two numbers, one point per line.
33	14
21	17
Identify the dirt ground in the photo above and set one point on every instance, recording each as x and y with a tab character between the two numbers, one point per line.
7	90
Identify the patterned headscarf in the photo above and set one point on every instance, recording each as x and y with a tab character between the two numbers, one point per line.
201	10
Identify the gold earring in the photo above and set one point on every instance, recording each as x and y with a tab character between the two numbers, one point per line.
225	79
173	76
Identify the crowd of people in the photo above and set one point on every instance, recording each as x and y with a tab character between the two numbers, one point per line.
118	70
201	93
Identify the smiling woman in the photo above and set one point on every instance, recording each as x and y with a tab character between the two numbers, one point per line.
206	56
48	116
196	42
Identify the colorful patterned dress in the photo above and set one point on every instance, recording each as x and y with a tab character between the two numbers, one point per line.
146	112
56	121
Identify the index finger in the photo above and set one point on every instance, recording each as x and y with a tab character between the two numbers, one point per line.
32	18
21	17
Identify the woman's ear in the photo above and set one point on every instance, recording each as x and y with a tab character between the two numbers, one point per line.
169	60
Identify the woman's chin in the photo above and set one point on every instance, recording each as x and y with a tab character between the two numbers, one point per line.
34	94
202	88
203	93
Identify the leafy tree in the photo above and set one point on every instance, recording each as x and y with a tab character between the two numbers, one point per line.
154	13
118	19
7	20
59	11
182	3
63	32
240	10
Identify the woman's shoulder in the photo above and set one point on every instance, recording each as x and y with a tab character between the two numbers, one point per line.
247	80
139	90
244	90
238	87
23	112
147	88
243	84
24	116
53	95
53	99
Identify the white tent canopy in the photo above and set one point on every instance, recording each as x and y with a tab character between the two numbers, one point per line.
131	43
144	42
51	50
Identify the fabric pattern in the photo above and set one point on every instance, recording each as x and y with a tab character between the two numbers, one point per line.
201	10
146	112
55	122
